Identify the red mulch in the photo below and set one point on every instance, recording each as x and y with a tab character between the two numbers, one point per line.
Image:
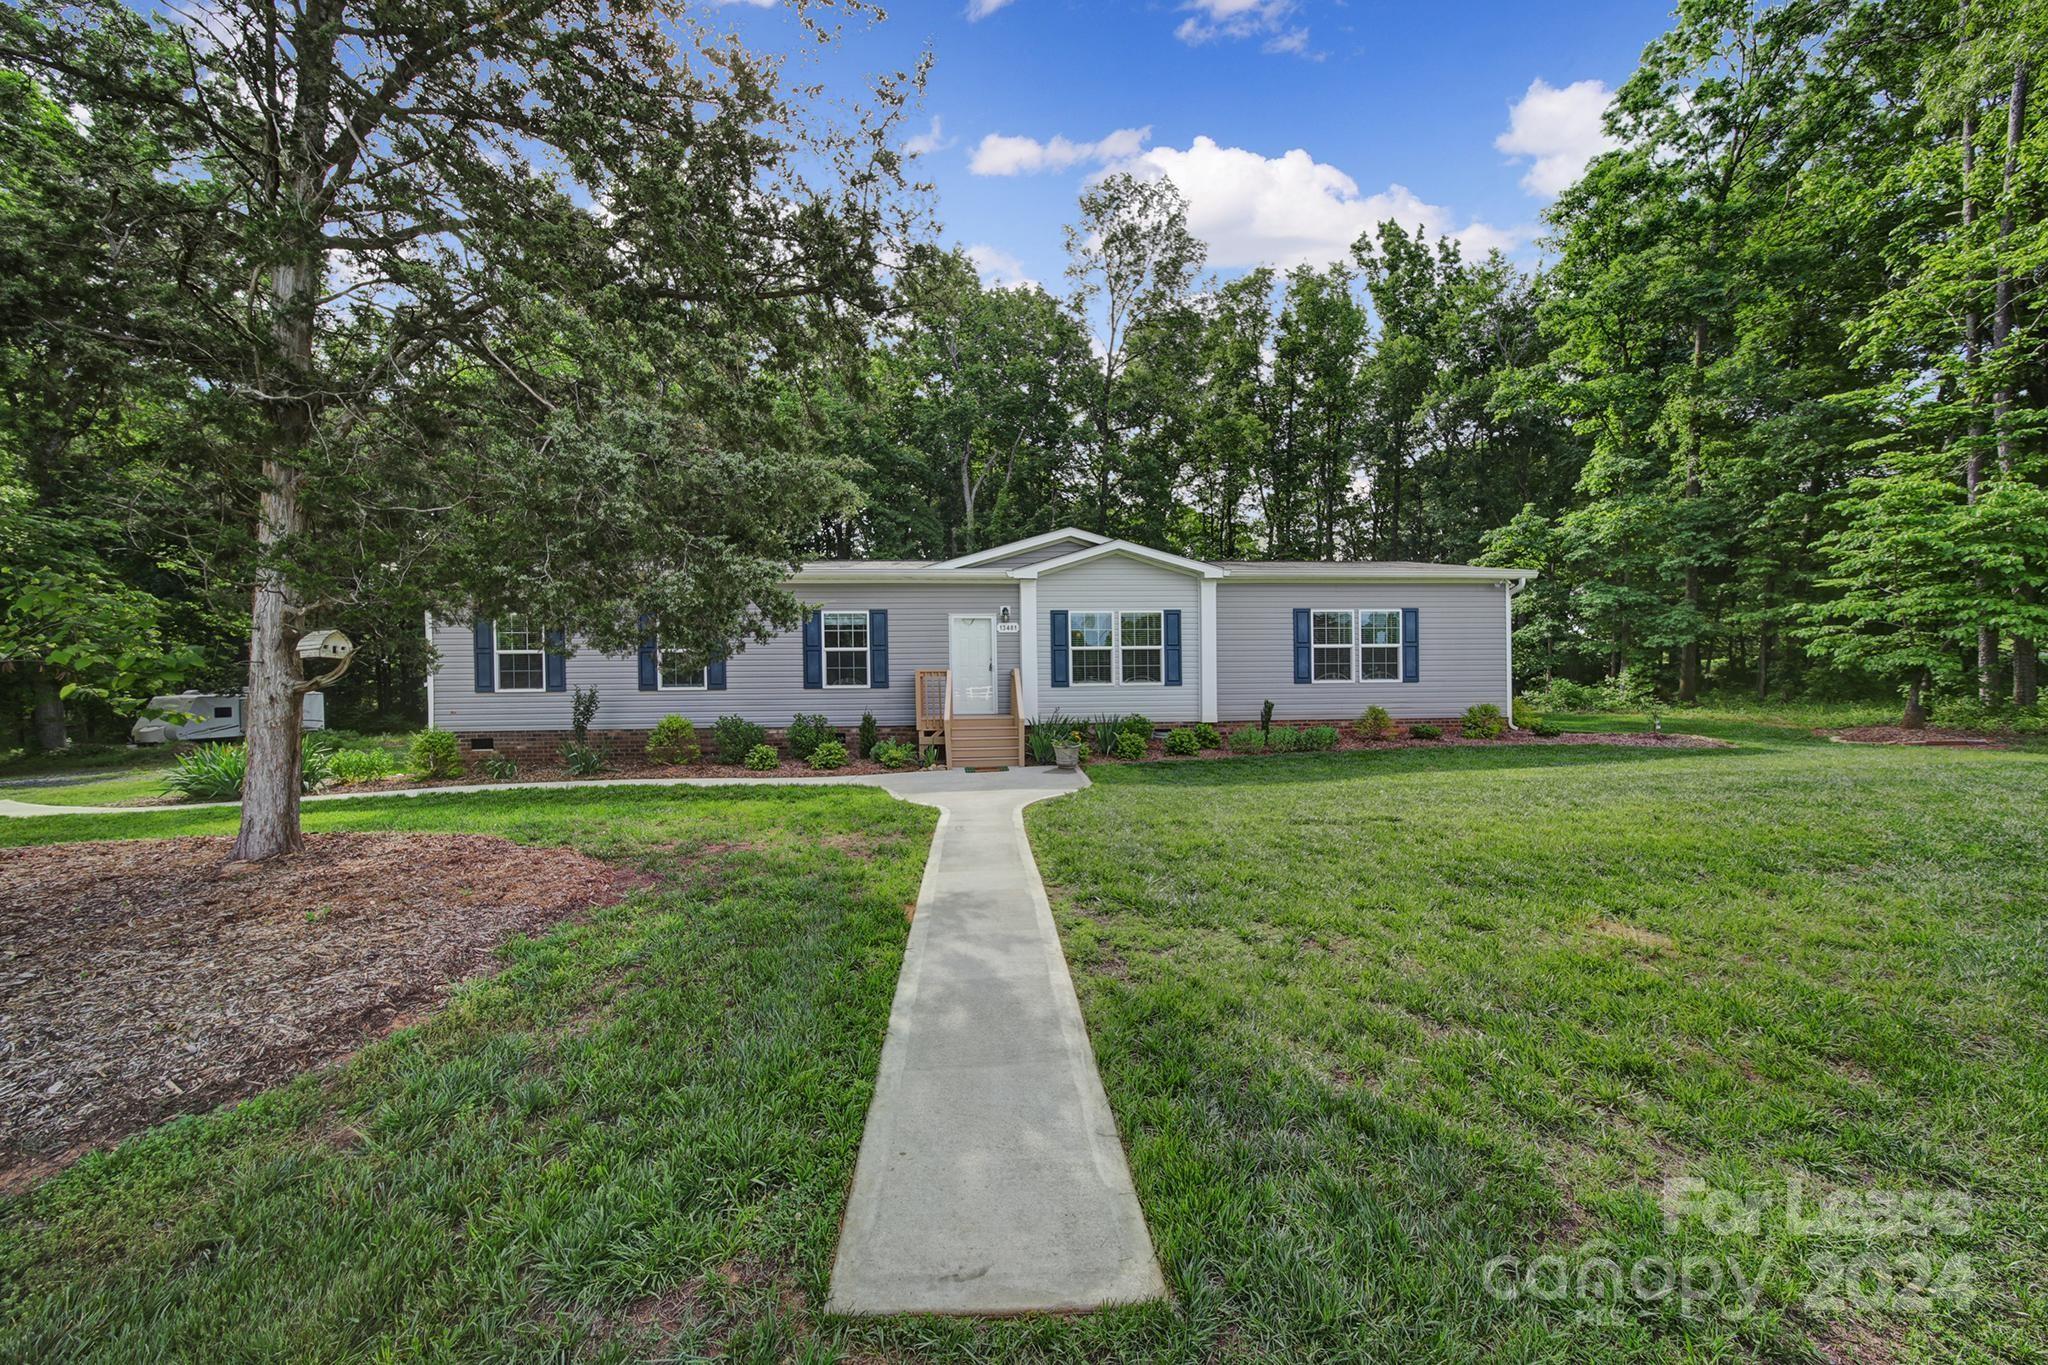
140	979
1898	734
476	776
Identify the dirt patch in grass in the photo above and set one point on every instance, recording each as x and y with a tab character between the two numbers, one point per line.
1630	933
148	978
1897	734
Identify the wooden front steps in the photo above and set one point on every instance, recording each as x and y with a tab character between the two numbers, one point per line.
983	742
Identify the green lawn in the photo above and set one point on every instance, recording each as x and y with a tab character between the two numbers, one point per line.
1368	1022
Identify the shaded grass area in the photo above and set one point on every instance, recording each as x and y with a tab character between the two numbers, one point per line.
1370	1021
641	1130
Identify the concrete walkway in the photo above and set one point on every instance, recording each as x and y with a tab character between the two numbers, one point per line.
990	1177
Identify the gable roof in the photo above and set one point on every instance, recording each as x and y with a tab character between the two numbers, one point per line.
1130	549
1017	547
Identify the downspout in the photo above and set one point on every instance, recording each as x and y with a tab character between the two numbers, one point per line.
1513	589
432	667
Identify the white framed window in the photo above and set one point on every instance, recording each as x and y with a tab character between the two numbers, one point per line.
846	648
1141	647
1379	645
521	648
1116	648
676	673
1091	648
1330	639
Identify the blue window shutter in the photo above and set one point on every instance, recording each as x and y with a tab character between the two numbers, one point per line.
1411	649
878	649
1059	649
714	676
814	651
486	657
1173	649
1304	657
650	664
557	664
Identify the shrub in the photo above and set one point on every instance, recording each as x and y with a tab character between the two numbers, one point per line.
1543	729
1130	745
1524	715
1102	732
211	772
1208	736
734	737
1284	739
1135	725
1041	735
828	755
1375	724
867	734
1266	715
1248	741
1562	694
500	767
1183	743
762	758
434	753
1424	732
674	741
1483	721
359	765
583	710
583	760
806	733
1319	737
895	753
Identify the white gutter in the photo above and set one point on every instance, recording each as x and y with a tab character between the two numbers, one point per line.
1513	588
432	668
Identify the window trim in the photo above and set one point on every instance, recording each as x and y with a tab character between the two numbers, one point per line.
866	650
1359	645
1116	645
1351	658
498	653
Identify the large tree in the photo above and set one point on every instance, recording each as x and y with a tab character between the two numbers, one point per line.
503	296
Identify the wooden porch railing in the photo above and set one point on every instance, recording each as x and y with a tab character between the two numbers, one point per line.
934	708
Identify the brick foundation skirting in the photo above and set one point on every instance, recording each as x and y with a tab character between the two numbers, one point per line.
541	747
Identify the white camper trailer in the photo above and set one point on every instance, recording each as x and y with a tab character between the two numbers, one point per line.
205	716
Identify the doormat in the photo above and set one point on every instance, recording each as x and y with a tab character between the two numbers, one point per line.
1000	768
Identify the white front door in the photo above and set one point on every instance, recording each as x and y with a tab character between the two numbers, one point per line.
973	661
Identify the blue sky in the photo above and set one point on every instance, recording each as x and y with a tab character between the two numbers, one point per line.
1287	123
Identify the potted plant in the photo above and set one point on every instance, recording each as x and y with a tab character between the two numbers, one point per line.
1066	751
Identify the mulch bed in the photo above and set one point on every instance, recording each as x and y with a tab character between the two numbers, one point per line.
1898	734
1348	743
140	979
621	772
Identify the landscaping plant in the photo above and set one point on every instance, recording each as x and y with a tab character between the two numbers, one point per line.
762	758
1207	735
1266	715
735	737
582	710
1183	743
1129	745
1425	731
806	733
1284	739
674	741
828	755
1543	729
895	753
1319	737
868	731
500	767
359	765
211	772
434	753
1248	741
1375	724
1483	721
583	760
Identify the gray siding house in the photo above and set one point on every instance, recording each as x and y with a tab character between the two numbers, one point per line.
1069	622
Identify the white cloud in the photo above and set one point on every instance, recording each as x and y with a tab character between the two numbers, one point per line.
1292	209
1561	129
998	268
1211	19
932	139
1003	154
982	9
